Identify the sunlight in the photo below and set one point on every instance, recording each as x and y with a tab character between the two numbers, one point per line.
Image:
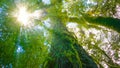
46	1
23	16
73	27
26	18
19	49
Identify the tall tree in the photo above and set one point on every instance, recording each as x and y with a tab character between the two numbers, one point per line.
92	41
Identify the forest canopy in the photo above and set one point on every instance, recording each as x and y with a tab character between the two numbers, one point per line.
59	33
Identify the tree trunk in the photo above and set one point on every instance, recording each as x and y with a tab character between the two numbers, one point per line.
65	51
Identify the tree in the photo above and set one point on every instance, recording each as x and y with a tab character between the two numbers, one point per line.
50	41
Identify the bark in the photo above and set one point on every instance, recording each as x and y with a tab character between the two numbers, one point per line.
109	22
65	50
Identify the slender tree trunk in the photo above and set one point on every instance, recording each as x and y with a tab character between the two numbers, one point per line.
109	22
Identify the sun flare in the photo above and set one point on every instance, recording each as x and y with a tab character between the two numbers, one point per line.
23	16
26	18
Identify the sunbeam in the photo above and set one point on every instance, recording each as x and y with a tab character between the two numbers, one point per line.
26	18
23	16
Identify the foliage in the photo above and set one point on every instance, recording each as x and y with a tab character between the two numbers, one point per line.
50	43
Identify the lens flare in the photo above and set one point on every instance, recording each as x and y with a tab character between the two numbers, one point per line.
23	16
26	18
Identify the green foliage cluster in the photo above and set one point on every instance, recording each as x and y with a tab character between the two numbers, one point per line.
22	47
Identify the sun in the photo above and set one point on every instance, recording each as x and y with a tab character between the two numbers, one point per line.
23	16
26	18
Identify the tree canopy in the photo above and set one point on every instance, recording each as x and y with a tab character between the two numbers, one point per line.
60	34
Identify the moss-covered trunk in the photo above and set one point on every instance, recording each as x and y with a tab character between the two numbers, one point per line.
65	51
